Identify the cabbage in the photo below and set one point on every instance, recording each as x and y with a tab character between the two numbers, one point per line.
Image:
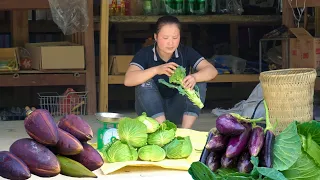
133	132
151	153
152	124
163	135
116	151
178	148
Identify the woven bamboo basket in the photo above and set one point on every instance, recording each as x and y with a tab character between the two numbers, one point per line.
289	95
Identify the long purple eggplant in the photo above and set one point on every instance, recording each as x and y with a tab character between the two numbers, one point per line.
266	157
205	151
237	144
228	162
213	161
229	125
256	140
244	163
218	142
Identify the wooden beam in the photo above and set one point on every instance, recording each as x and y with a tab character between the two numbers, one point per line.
88	42
234	36
41	80
104	53
19	27
304	3
215	19
287	20
222	78
23	4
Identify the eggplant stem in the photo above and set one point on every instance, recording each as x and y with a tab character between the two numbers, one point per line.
245	119
268	123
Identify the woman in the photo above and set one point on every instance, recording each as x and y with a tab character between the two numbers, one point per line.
159	62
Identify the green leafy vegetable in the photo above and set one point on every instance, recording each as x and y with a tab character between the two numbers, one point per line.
312	128
311	148
116	151
175	81
178	148
132	132
200	171
271	173
165	134
287	148
303	169
151	153
152	124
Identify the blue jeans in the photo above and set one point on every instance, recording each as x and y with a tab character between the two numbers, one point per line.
149	100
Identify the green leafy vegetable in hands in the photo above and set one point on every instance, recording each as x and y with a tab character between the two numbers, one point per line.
178	148
151	153
175	81
116	151
152	124
165	134
133	132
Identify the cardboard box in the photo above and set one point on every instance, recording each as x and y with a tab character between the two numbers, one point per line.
118	64
56	55
304	49
9	59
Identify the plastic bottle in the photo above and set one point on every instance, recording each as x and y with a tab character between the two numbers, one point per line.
147	7
202	7
190	6
179	7
169	6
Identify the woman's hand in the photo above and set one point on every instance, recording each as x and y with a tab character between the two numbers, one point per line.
167	69
189	82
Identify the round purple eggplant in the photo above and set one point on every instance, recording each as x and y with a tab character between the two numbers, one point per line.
229	125
244	163
238	144
256	141
213	161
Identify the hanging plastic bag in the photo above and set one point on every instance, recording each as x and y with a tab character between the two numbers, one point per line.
71	16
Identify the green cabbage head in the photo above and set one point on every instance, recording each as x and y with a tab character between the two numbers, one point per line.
116	151
179	148
152	124
151	153
133	132
163	135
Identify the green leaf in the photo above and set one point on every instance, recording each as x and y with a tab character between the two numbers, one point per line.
311	148
287	148
303	169
312	128
270	173
200	171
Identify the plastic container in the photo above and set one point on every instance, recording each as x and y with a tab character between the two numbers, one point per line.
235	64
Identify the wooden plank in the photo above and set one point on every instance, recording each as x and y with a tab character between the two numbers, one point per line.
317	21
87	38
104	53
19	27
45	72
216	19
287	20
317	85
234	36
230	78
23	4
42	80
304	3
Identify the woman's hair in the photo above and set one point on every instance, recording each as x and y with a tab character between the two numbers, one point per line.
167	20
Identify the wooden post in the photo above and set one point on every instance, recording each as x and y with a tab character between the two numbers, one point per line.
234	31
104	57
19	27
287	20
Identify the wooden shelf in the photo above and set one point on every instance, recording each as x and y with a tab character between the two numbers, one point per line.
228	78
306	3
45	72
214	19
22	4
9	80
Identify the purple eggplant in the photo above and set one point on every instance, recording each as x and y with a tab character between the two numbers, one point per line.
256	140
228	162
205	151
213	161
266	156
229	125
244	163
218	142
237	144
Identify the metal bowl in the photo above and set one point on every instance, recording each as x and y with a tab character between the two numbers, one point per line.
108	117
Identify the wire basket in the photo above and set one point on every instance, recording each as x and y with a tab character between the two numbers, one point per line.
289	95
60	105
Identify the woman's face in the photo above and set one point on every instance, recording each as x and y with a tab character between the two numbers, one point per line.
168	38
